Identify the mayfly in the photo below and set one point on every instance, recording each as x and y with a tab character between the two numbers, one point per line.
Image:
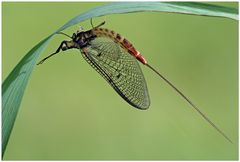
115	59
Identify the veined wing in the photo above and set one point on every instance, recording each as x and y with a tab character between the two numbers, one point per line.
120	69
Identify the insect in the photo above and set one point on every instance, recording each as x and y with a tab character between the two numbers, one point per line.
115	59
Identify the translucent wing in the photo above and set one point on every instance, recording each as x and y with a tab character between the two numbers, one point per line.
120	69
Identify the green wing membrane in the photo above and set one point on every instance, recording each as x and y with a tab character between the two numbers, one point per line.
120	69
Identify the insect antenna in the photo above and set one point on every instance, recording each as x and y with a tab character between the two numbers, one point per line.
191	103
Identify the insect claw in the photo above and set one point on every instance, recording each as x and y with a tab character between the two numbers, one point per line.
42	61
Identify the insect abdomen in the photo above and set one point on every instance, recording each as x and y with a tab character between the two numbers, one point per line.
120	40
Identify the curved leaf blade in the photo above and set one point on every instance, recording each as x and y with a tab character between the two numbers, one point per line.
14	85
192	8
13	88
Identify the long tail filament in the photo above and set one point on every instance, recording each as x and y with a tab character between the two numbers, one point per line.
190	102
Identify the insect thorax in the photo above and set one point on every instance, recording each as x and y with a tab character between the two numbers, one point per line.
83	38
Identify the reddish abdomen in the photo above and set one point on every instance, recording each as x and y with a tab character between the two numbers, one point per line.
122	41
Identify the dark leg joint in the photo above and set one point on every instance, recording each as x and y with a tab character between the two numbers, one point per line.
61	47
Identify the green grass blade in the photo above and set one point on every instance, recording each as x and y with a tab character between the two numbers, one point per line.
192	8
14	85
13	88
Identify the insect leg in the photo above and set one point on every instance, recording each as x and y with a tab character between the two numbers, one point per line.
61	47
98	25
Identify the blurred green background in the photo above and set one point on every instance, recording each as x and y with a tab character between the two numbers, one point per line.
69	112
